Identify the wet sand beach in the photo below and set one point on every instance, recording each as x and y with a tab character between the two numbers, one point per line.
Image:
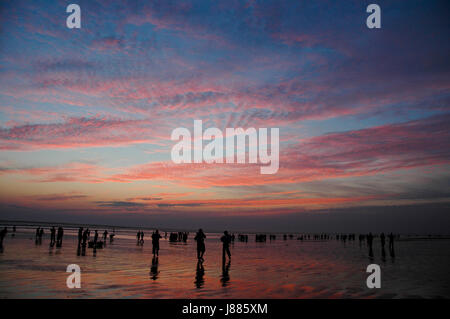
274	269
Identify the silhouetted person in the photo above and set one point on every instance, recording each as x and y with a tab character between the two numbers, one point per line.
38	230
199	274
95	243
84	242
80	235
59	236
154	268
138	236
3	233
200	238
52	236
41	233
142	237
155	242
391	244
105	235
14	231
226	240
85	237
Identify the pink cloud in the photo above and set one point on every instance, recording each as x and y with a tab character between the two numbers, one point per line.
78	132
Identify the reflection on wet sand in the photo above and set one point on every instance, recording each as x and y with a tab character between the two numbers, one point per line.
225	277
154	268
290	267
199	274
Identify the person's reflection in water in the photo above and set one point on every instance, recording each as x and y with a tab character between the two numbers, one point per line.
199	274
154	268
225	278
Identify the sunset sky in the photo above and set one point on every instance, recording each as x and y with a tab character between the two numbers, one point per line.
86	114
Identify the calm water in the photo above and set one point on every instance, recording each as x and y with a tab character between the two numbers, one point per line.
277	269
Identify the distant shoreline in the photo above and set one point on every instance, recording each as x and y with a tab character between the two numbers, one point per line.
31	224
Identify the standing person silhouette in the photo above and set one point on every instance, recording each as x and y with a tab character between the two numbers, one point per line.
95	238
105	235
2	235
84	241
38	230
200	238
80	235
226	240
155	242
59	236
85	237
52	236
391	244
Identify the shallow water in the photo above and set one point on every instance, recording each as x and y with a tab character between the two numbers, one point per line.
277	269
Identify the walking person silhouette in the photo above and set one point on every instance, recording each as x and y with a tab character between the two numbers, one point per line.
59	236
155	242
200	238
226	240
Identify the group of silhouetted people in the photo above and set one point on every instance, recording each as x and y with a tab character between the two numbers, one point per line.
260	238
140	237
179	236
55	237
38	236
84	240
243	238
369	238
